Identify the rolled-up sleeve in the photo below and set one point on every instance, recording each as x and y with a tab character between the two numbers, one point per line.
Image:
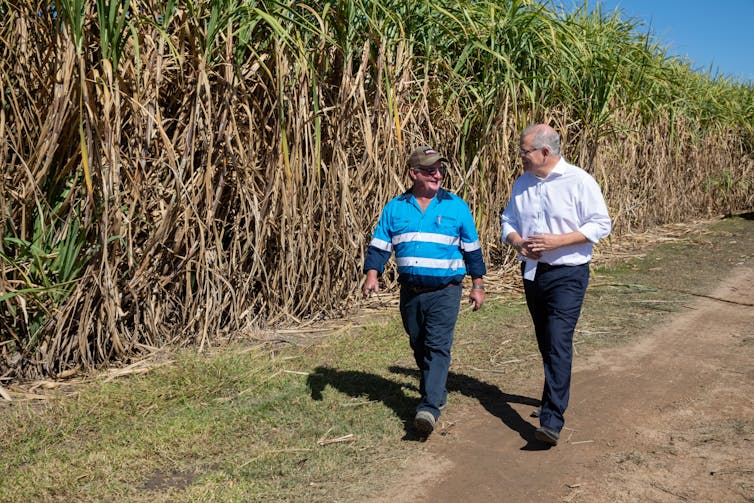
509	220
594	215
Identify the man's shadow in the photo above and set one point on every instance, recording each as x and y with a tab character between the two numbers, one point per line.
494	400
369	386
391	393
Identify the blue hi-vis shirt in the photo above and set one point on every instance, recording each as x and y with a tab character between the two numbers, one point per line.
432	248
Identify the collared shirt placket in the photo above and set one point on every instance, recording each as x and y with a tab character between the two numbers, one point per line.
423	218
539	226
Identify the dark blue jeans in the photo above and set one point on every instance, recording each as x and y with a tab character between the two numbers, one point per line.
554	299
429	319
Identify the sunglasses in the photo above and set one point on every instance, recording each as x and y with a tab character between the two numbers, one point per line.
431	171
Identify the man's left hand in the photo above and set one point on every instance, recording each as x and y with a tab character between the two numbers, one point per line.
539	243
476	298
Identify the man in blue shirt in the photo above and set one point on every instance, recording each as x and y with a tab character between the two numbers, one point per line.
555	214
435	241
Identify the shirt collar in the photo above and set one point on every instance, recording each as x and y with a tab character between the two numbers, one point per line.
558	170
441	195
560	167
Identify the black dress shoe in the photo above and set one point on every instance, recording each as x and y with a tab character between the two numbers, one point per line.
547	435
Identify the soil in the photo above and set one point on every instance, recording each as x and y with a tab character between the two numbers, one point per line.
667	417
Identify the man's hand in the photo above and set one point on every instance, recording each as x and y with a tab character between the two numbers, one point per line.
539	243
371	283
526	248
476	298
522	246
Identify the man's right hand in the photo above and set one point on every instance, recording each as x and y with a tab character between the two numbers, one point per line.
371	283
524	247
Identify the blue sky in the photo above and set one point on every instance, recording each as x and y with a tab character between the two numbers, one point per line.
719	33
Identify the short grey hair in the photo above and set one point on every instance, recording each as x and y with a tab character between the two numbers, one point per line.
543	137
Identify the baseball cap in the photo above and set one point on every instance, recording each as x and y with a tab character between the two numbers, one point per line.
425	156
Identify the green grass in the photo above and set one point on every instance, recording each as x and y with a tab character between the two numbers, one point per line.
235	425
243	423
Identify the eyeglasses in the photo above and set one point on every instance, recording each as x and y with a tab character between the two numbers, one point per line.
526	152
431	171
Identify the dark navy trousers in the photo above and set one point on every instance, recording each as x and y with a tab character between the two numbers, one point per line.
429	319
554	299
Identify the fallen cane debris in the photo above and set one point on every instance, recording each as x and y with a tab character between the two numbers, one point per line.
344	438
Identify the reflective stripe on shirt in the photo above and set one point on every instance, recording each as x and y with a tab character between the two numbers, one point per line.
432	263
426	237
381	244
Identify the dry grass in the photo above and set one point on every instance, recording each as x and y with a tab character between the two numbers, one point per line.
202	171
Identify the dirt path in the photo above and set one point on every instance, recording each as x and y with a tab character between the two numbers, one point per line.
669	417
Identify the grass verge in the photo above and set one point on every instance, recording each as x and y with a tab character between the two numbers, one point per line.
328	421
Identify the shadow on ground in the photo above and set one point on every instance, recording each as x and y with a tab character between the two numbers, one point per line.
392	394
494	400
371	386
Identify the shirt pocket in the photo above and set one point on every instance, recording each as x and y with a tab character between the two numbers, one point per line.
399	225
448	225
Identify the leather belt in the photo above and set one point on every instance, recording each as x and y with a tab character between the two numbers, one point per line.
544	266
425	289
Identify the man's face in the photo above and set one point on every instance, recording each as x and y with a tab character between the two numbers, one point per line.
428	178
531	158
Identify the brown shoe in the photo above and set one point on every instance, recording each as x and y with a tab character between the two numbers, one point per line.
547	435
424	422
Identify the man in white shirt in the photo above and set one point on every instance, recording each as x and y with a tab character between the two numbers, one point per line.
555	215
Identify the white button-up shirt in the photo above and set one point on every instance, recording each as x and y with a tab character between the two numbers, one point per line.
568	200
